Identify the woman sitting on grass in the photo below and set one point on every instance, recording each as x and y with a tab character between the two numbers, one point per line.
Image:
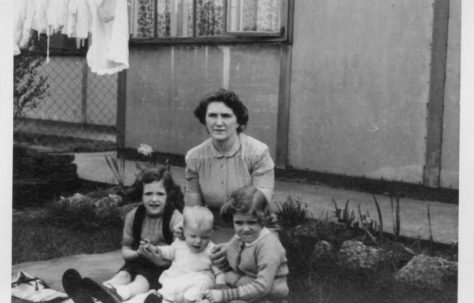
256	256
152	223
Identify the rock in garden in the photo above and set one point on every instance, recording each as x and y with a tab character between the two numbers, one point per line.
112	200
355	255
428	272
322	250
77	199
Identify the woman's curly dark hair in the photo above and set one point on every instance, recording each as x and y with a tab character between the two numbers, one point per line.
244	200
231	100
174	195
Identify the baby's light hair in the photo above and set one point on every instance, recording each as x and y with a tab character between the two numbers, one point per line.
247	199
198	216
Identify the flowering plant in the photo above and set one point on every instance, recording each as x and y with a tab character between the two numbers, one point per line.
117	166
147	151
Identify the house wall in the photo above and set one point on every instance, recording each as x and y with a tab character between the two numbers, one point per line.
166	83
360	85
359	89
450	150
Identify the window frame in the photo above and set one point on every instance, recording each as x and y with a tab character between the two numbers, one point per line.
285	36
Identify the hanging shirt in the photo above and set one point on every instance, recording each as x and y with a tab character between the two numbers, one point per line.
108	50
78	19
39	20
18	26
56	15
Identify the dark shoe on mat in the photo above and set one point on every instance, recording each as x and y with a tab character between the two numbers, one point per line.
101	292
72	285
153	297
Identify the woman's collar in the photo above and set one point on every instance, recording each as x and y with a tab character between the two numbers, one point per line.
232	151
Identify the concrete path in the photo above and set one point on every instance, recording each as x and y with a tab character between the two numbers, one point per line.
319	200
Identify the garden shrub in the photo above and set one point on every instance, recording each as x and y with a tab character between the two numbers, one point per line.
29	88
292	213
84	215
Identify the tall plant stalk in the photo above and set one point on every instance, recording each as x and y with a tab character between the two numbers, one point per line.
379	213
117	166
395	216
428	212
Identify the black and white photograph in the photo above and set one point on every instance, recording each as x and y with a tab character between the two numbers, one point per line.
259	151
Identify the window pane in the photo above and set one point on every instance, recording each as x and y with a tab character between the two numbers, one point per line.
142	22
209	17
254	15
174	18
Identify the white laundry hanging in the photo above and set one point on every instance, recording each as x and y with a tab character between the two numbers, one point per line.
108	50
56	15
103	22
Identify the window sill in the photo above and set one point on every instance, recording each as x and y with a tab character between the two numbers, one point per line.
247	39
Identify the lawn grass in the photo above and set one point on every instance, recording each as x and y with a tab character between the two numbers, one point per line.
61	228
37	239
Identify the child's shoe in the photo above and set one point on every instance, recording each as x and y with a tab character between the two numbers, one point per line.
153	297
72	285
102	293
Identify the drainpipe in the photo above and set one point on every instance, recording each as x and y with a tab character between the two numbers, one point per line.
435	106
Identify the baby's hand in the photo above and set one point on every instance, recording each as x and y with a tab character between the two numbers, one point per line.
144	241
156	250
214	296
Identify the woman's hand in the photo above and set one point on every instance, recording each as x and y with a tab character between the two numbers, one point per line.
178	231
214	296
218	256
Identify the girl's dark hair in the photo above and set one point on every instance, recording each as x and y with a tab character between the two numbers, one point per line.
244	200
231	100
174	195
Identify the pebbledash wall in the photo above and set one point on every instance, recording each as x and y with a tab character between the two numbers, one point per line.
365	89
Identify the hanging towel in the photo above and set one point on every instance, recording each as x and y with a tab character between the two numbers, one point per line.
83	19
69	28
19	21
56	15
39	20
78	19
27	22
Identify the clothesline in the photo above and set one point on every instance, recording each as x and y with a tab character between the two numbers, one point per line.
104	22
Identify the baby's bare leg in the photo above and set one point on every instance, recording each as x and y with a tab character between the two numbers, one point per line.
121	278
138	286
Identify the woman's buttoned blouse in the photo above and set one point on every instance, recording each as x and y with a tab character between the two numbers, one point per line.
215	175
